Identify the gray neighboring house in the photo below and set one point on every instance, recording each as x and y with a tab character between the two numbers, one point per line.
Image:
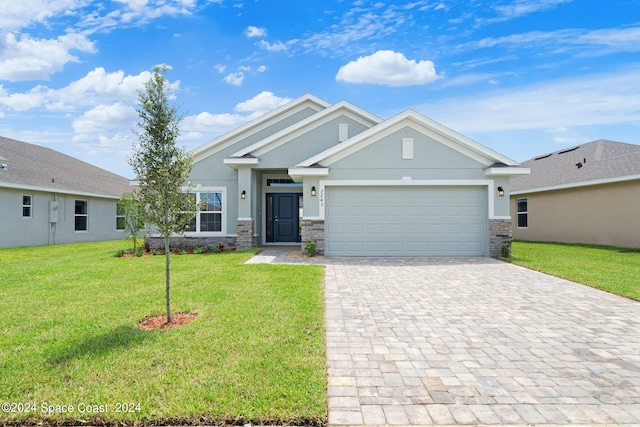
589	194
353	183
47	197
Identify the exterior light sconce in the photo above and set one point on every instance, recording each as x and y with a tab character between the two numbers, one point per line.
500	192
243	195
313	190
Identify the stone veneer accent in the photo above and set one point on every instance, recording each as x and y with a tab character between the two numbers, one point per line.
158	242
499	235
246	238
313	231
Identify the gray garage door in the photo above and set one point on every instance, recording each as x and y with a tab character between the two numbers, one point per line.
406	221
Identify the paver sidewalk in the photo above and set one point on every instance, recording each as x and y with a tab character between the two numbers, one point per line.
439	341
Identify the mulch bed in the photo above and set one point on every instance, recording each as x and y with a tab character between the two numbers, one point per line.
159	322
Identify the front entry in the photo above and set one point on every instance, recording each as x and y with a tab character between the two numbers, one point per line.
283	217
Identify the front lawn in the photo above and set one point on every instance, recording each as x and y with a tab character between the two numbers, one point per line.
71	349
615	270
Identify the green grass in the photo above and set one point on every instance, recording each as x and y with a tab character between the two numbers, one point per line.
70	336
615	270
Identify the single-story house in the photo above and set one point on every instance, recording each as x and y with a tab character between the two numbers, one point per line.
47	197
589	194
354	184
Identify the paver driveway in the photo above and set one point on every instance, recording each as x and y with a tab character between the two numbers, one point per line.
475	341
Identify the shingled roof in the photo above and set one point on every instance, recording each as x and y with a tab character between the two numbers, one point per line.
34	167
594	162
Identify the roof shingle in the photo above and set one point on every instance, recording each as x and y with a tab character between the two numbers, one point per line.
596	160
35	166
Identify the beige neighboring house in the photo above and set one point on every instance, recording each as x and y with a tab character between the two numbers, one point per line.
47	197
585	194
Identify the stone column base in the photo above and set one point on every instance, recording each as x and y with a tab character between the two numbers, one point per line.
313	231
499	236
245	239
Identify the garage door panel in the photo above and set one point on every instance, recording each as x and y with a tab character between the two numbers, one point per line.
406	221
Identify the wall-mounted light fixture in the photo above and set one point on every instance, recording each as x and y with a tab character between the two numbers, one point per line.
500	192
243	195
313	190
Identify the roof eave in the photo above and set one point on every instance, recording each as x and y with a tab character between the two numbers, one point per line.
576	184
510	171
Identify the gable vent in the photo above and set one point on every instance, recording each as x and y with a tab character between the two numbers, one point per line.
343	132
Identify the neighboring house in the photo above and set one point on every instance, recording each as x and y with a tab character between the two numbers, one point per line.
47	197
585	194
353	183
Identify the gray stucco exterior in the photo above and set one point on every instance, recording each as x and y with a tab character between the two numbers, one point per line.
340	145
51	183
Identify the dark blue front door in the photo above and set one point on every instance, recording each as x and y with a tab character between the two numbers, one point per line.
283	222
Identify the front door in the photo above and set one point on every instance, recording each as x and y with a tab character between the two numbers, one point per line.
283	217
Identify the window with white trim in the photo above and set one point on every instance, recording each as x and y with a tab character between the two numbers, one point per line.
522	213
209	216
81	215
27	205
121	222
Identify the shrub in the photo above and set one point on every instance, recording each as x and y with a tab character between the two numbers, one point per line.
311	249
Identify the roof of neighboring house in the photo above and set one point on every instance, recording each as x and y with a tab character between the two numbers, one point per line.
595	162
34	167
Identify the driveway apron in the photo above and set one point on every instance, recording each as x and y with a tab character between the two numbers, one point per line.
443	341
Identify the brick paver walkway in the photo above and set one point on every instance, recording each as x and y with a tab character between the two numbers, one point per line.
476	341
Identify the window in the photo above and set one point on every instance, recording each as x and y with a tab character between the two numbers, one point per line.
81	215
209	217
27	204
121	223
522	213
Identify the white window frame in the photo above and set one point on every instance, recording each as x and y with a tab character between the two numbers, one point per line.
77	215
524	213
29	206
223	220
120	215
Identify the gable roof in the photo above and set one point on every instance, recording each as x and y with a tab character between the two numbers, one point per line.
595	162
423	124
36	168
281	137
258	124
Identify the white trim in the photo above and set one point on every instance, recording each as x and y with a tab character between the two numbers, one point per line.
578	184
223	226
422	124
342	108
244	219
407	181
241	161
312	218
507	171
501	217
308	172
254	126
57	190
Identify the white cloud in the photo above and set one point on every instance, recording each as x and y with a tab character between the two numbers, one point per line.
262	103
15	15
36	59
220	68
208	124
387	67
272	47
524	7
234	79
95	88
105	118
262	68
253	31
595	99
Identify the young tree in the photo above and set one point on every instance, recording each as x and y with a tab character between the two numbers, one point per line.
131	211
161	167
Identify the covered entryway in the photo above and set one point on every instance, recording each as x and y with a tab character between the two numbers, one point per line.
406	221
283	217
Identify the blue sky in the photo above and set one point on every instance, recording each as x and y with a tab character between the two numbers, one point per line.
523	77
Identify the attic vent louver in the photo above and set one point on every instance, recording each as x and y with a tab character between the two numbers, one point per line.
543	157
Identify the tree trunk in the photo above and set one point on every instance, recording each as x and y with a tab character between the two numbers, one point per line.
167	252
